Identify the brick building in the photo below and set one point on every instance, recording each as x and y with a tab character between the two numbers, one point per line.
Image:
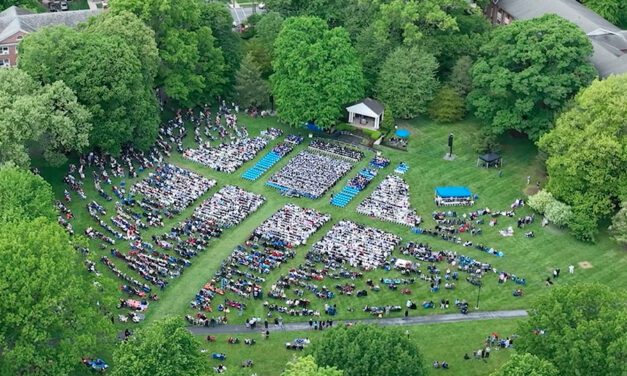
16	22
608	40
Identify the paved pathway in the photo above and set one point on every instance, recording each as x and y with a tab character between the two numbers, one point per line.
412	320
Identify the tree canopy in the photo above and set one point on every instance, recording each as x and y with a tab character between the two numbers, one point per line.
192	65
447	105
316	72
24	196
618	229
614	11
408	81
48	115
106	75
579	328
262	44
306	366
251	89
163	348
527	365
527	71
357	350
587	153
49	317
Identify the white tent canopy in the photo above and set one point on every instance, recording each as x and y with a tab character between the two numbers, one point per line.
367	108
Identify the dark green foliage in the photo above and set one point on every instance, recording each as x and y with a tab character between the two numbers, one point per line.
527	365
24	196
357	350
527	71
448	106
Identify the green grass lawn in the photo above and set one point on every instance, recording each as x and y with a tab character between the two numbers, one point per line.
532	259
437	342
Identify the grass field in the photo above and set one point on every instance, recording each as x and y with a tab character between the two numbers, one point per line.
532	259
439	342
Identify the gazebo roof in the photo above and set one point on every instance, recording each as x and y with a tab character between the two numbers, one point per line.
368	107
490	157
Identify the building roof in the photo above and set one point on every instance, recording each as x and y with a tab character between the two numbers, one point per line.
14	20
608	41
368	107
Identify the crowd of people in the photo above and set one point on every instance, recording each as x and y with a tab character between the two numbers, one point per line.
336	148
360	246
291	225
174	187
229	206
228	156
310	174
390	202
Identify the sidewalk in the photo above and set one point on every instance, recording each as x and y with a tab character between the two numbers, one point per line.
412	320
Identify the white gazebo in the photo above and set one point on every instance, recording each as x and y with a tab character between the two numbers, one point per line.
367	113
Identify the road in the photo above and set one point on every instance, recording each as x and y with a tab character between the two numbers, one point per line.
412	320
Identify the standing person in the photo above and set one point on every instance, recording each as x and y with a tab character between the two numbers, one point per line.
406	314
571	269
265	324
528	180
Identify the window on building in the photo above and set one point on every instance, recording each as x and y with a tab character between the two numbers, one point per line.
4	50
20	37
5	63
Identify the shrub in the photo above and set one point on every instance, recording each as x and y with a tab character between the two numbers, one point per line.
447	106
558	213
540	201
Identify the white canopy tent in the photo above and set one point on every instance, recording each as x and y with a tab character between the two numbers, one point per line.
366	114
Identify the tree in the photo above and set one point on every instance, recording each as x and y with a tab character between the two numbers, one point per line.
217	17
587	154
316	72
579	328
527	365
618	229
558	213
106	75
24	196
48	115
29	4
306	366
372	49
408	21
527	71
447	106
262	45
460	78
357	351
49	306
164	348
251	89
331	11
191	64
408	79
614	11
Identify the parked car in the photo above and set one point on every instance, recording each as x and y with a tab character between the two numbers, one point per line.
64	6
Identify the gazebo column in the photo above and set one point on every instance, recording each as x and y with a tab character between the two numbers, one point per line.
351	115
376	122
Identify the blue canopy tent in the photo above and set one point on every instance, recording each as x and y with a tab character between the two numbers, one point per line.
448	196
402	133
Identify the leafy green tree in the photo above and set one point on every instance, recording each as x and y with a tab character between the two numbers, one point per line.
24	196
49	306
331	11
579	328
527	71
408	79
262	45
408	21
618	229
251	89
558	213
217	17
192	66
357	350
587	154
106	76
306	366
48	115
460	78
527	365
373	50
447	106
540	201
163	348
614	11
29	4
316	72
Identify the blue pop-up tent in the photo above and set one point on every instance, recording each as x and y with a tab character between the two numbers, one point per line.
402	133
453	192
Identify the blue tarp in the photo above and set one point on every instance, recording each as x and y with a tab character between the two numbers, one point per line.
449	192
402	133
